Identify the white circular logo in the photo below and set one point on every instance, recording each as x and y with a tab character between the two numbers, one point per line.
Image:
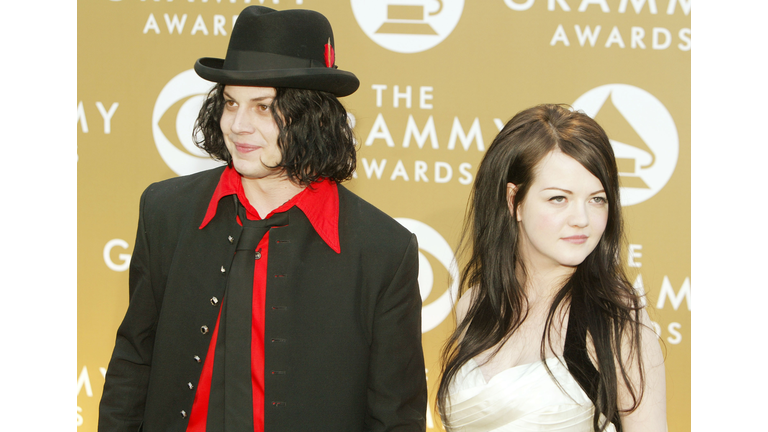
190	90
407	26
432	242
643	136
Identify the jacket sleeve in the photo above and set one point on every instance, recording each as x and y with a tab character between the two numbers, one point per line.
397	391
127	378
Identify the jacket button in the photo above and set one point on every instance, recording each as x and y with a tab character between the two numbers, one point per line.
197	359
214	301
189	384
231	239
258	255
204	329
183	414
223	270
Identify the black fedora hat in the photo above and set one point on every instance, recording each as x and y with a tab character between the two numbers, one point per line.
291	48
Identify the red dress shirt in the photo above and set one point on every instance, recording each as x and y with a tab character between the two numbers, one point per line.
320	203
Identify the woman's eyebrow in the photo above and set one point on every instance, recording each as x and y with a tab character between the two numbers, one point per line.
558	188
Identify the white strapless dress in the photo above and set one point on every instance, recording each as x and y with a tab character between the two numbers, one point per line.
522	398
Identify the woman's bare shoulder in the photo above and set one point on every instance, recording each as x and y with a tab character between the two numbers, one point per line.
463	305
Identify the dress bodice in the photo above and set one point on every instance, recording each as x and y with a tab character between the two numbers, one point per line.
521	398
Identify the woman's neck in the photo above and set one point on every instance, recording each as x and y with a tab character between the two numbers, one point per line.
541	285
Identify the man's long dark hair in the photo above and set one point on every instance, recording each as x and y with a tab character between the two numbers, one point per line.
315	139
496	274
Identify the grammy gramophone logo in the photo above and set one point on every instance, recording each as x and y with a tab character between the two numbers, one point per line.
643	136
408	19
407	26
637	156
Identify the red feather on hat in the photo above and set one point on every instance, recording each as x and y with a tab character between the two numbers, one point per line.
330	56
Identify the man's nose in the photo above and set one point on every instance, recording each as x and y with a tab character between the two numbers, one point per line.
241	123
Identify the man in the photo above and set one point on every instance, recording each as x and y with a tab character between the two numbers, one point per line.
264	295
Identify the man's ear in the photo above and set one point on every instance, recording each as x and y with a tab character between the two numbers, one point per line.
511	203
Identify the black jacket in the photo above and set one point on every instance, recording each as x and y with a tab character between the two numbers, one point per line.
348	336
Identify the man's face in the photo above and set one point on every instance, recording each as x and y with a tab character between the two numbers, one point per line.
250	131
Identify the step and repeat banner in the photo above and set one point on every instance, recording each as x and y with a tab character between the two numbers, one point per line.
439	78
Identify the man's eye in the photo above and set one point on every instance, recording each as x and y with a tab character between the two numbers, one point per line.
229	103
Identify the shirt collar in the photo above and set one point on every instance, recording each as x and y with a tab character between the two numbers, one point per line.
319	202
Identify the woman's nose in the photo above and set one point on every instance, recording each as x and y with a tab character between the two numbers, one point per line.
579	216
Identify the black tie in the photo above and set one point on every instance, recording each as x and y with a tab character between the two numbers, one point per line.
230	408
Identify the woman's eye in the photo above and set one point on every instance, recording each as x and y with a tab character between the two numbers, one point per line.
557	199
264	108
229	103
600	200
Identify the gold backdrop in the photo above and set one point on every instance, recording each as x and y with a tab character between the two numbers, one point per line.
438	80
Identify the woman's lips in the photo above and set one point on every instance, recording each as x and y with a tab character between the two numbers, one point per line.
577	239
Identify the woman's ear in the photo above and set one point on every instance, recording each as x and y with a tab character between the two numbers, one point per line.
511	191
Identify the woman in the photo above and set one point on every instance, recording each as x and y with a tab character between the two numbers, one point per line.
550	335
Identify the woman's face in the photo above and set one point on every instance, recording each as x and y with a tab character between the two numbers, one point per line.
563	215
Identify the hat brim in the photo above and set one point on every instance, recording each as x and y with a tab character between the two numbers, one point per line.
335	81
